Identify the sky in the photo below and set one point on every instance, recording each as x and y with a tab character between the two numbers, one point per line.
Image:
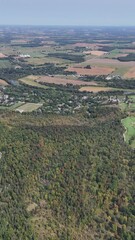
68	12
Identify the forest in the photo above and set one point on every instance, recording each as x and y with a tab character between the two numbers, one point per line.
65	179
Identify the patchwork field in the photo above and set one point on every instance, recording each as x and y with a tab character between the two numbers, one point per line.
109	65
93	71
28	107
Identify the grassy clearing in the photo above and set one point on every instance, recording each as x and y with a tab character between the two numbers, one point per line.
132	97
129	135
123	106
28	107
130	105
127	107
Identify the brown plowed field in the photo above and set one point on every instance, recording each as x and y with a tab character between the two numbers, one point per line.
3	82
113	62
55	80
93	71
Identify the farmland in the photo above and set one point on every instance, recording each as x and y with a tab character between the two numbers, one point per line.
31	81
95	89
37	81
95	53
67	123
130	74
57	80
94	71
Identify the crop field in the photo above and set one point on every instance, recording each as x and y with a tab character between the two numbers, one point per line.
130	74
95	53
95	89
109	62
63	81
87	45
93	71
28	107
30	80
46	59
129	135
115	53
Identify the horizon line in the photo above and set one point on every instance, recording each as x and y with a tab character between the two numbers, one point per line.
65	25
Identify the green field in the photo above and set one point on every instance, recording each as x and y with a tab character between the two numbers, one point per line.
113	53
28	107
129	135
128	106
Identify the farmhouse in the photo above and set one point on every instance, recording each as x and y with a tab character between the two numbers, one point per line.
24	56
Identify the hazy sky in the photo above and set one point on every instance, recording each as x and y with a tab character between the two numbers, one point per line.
67	12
